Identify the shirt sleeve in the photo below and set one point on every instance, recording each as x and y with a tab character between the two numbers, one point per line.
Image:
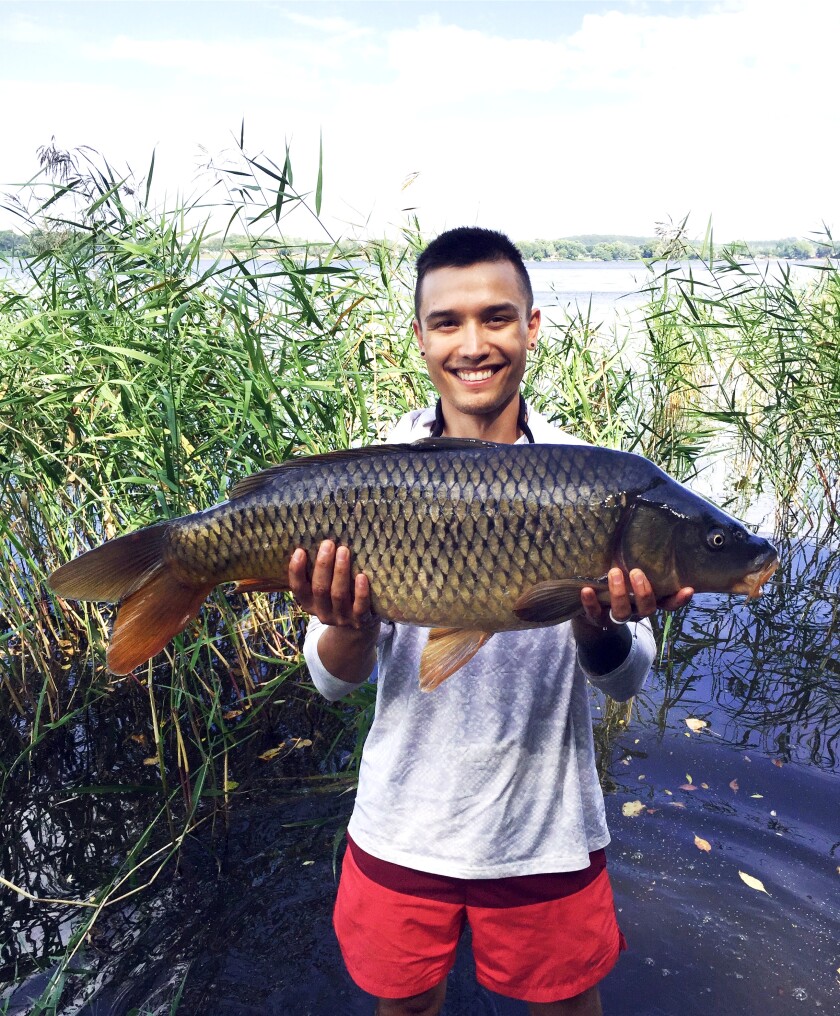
330	686
627	679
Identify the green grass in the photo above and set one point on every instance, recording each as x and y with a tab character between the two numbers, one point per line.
139	378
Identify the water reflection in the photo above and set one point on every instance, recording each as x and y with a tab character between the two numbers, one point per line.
242	924
764	674
58	840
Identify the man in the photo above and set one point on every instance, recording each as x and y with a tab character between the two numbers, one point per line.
479	801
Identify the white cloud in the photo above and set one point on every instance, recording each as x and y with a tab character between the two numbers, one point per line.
632	117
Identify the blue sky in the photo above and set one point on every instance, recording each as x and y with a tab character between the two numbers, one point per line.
539	118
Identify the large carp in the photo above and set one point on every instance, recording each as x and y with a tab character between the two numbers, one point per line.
465	537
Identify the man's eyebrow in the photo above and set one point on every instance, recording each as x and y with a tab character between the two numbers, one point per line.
494	308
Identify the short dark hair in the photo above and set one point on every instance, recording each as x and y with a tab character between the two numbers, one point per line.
470	245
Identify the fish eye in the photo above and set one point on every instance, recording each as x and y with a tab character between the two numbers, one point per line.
716	538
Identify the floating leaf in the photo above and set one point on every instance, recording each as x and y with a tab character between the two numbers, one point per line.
301	742
267	756
670	793
705	786
702	844
152	760
734	786
231	784
632	809
756	795
753	882
695	724
687	786
676	804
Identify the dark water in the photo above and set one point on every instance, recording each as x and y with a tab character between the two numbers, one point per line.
243	926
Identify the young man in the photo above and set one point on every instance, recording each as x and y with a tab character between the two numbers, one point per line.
480	801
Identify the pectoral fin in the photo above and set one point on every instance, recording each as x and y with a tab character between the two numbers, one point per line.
557	600
447	650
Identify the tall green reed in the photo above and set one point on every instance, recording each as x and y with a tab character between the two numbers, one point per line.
747	347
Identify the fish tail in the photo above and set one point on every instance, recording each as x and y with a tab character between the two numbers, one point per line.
156	601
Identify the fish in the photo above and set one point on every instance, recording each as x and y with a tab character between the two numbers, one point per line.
465	537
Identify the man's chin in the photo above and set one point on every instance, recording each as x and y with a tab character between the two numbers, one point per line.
488	405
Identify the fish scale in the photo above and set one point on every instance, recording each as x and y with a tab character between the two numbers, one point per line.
463	519
464	537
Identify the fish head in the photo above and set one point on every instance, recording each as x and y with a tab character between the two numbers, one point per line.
679	539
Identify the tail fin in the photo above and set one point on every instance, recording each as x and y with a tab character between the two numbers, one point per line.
156	603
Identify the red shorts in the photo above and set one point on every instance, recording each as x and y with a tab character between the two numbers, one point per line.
538	938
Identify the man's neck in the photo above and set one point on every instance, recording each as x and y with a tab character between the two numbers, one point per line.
502	427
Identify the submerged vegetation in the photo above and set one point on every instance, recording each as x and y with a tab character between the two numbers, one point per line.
139	377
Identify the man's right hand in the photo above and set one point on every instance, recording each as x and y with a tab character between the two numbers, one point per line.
332	594
347	646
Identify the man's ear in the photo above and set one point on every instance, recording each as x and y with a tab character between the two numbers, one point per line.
534	327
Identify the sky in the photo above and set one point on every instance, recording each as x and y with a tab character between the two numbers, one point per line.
542	119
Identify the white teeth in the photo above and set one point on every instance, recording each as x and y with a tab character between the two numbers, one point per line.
474	375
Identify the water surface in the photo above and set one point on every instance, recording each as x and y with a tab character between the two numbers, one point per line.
243	926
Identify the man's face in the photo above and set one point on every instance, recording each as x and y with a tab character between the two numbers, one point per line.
475	329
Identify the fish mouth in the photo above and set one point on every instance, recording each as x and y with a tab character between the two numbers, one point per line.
752	582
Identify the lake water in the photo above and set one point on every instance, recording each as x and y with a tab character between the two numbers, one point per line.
244	924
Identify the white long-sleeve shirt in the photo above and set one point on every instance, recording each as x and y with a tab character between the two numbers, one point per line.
493	773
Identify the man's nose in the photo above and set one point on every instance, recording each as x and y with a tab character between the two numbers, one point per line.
473	340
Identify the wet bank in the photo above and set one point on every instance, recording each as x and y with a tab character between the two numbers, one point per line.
725	856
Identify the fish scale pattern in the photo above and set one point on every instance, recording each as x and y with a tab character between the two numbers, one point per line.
449	537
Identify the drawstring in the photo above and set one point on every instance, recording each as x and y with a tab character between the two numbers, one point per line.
521	422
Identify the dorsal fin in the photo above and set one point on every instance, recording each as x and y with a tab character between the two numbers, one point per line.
250	484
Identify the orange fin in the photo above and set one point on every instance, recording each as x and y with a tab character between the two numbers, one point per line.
115	570
150	617
556	600
447	650
261	586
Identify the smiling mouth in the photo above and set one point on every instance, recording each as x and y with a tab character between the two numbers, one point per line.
474	375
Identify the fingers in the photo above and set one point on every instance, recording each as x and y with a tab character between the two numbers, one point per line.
331	594
299	579
362	612
620	605
592	609
679	599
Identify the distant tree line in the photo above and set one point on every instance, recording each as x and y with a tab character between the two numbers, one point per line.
13	243
590	247
632	248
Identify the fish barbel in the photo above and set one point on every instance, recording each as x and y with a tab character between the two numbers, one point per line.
465	537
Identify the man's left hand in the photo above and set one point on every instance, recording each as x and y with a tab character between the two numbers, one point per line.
645	602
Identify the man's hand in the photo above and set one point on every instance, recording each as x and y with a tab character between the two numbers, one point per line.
331	594
347	646
620	604
604	643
